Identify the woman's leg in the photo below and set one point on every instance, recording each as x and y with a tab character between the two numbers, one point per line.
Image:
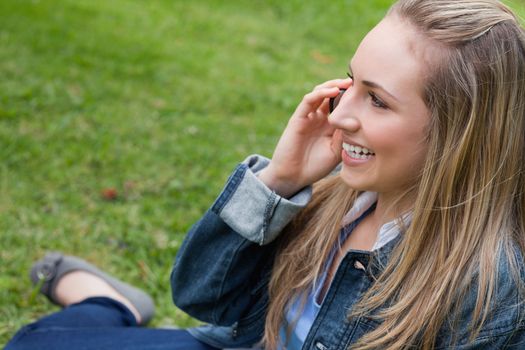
99	313
99	323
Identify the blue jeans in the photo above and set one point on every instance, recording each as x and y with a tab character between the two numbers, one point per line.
99	323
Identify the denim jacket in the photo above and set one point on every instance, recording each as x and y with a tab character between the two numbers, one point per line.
223	267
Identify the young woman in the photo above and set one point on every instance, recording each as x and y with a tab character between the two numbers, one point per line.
415	241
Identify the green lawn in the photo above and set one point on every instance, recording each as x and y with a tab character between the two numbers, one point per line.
157	100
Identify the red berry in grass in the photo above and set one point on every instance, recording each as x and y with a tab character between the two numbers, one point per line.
109	194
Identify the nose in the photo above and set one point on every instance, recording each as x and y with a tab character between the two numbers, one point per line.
344	114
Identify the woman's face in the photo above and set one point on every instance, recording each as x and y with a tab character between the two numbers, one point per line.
382	115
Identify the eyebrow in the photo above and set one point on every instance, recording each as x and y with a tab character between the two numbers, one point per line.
374	85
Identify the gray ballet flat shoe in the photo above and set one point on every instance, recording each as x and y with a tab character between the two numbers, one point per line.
54	266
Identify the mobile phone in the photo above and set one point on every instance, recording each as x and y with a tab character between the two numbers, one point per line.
334	101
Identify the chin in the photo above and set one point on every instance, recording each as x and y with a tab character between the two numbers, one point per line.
357	183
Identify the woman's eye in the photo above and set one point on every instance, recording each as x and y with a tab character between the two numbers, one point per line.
376	102
350	75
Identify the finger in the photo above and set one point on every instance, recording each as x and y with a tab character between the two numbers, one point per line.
324	108
313	100
337	143
340	83
332	83
317	97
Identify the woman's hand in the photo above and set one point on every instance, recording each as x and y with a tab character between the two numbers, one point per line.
309	147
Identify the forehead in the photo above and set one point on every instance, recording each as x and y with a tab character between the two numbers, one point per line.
393	54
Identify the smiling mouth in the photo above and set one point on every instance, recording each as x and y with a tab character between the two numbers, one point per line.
358	152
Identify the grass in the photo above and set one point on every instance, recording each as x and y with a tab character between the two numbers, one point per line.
154	100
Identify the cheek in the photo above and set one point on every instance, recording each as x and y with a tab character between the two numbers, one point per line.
390	139
401	145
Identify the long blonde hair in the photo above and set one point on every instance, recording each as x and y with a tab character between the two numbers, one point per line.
470	203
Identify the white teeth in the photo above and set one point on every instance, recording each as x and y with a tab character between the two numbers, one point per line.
357	152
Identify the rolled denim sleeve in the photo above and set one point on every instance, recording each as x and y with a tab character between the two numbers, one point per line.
250	208
223	267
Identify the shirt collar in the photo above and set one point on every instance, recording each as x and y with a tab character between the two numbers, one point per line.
388	231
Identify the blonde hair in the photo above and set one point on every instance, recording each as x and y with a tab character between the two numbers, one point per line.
469	210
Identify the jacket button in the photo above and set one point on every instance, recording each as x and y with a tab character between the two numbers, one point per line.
359	265
321	346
